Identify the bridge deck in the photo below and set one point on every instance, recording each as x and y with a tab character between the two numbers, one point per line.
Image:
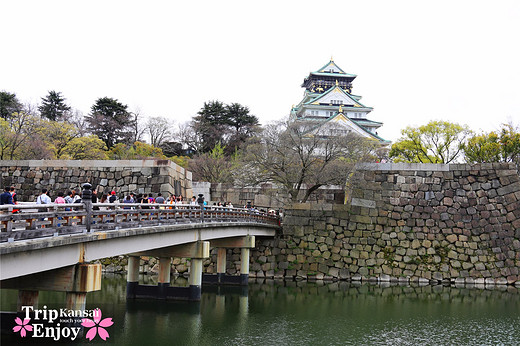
32	246
36	221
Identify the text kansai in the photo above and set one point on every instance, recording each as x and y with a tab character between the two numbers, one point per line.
50	315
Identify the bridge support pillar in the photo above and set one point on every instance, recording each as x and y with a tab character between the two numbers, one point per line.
245	244
195	279
164	276
197	251
87	278
27	298
132	279
76	280
76	300
244	266
221	263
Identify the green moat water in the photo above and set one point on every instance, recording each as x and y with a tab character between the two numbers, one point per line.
302	313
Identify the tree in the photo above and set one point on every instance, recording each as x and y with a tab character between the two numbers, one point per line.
483	148
145	151
158	128
210	124
139	150
229	125
302	157
5	139
436	142
85	148
53	106
57	135
137	128
110	121
9	104
494	147
191	140
510	142
120	151
76	118
212	167
242	125
16	132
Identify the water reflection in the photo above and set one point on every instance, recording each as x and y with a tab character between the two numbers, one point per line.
306	313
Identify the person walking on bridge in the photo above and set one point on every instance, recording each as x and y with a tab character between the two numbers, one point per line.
43	198
12	191
113	197
6	197
60	199
160	199
69	197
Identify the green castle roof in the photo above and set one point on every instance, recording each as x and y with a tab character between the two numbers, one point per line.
323	71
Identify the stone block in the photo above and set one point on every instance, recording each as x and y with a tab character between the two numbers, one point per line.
452	238
334	272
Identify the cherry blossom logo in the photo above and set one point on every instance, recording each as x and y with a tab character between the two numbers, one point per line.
97	326
22	326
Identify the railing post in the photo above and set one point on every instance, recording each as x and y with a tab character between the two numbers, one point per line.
116	218
55	217
9	223
86	198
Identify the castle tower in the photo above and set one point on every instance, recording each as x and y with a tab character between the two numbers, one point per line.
328	97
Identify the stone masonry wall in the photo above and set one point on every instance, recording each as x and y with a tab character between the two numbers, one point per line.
404	222
407	222
123	176
265	195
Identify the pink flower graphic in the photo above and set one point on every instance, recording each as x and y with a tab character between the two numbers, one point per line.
96	327
22	326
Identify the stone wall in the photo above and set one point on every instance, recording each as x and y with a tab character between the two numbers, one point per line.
122	176
407	222
417	223
263	196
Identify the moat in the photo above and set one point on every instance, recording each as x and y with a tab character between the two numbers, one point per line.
303	313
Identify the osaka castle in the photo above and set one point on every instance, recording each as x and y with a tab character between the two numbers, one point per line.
328	98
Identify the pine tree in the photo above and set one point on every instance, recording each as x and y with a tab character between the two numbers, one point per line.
242	125
229	125
110	121
210	124
53	106
9	104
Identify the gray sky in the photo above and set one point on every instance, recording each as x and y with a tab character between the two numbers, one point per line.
416	61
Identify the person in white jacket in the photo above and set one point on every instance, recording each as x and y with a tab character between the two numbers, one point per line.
43	198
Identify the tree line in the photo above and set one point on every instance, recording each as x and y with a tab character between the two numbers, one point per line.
447	142
224	143
53	130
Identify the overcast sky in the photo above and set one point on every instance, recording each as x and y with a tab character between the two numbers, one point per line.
416	61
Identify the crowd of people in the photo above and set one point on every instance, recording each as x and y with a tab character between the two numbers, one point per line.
74	196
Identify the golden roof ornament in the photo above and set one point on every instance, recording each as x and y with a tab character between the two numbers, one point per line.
340	109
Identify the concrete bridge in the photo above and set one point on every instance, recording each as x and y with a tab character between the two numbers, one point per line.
52	247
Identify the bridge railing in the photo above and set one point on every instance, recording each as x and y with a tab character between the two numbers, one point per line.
29	221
